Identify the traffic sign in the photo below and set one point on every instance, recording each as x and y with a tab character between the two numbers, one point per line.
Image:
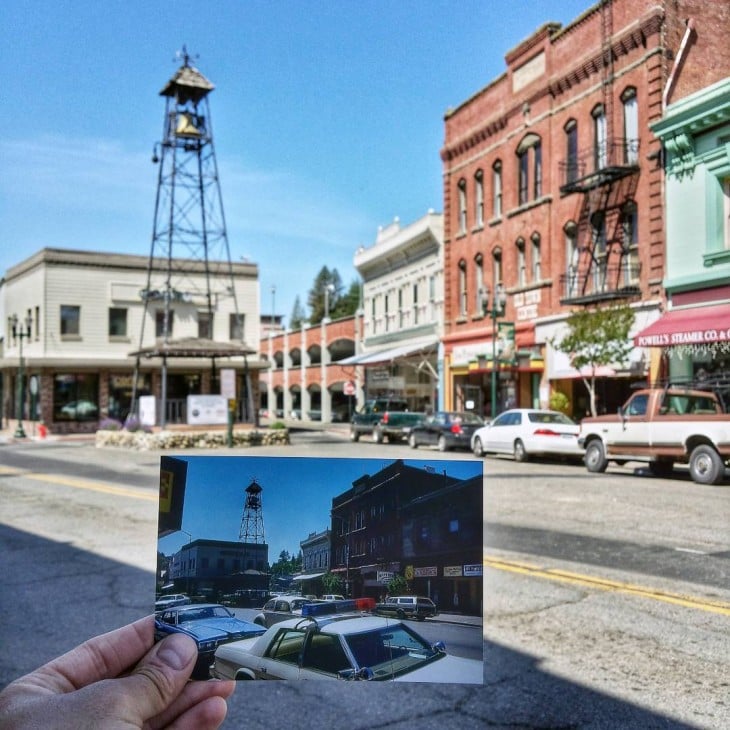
348	388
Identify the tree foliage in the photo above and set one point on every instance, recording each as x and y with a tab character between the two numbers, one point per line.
286	564
397	585
298	315
348	303
332	583
596	338
325	293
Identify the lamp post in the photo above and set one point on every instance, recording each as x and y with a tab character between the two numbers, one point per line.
328	289
21	333
494	309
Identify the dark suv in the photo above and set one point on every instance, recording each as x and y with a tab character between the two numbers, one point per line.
365	420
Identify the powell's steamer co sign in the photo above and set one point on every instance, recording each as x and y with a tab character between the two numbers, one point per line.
687	337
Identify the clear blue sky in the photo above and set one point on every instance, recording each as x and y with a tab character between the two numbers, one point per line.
327	117
296	498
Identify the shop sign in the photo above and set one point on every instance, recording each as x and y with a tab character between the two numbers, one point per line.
472	571
148	410
228	383
205	410
452	571
385	576
428	572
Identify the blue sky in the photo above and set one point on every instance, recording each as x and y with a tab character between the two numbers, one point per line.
327	118
296	498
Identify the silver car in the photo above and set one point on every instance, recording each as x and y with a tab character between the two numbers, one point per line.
281	608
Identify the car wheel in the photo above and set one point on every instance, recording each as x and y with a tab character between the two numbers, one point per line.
595	458
401	615
442	446
706	465
477	448
519	451
354	435
412	441
377	436
258	620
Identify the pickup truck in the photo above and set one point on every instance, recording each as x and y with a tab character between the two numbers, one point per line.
396	425
662	426
365	419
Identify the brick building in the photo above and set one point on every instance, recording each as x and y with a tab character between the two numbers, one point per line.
553	193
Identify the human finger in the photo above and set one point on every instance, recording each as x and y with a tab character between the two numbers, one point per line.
195	693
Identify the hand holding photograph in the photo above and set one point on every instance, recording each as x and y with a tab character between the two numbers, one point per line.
318	568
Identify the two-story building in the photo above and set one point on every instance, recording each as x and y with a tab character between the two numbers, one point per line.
553	187
78	318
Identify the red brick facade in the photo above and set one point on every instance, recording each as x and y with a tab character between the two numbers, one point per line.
573	100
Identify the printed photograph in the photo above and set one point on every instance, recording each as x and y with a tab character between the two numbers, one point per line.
323	568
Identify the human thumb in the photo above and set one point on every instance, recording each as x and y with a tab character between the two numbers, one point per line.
161	675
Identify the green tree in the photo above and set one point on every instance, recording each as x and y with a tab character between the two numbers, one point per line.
325	281
398	585
596	337
348	303
332	583
298	315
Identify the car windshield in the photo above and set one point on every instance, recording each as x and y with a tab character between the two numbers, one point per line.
391	651
541	417
204	613
468	418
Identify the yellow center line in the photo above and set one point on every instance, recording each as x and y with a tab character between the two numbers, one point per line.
102	487
587	581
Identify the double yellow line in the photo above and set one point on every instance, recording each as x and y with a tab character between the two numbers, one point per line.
588	581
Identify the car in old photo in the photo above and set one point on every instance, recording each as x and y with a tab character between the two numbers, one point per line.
209	625
417	607
170	600
525	432
281	608
445	430
343	646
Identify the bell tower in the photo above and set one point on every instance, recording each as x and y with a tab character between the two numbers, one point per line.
190	259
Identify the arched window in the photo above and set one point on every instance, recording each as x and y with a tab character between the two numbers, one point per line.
536	257
497	189
598	229
572	258
572	172
462	206
479	198
463	289
521	262
631	126
496	268
600	139
529	163
478	282
630	242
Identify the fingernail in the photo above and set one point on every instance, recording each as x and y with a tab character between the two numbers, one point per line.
176	651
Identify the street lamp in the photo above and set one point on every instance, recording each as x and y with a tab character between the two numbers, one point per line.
21	334
328	289
494	309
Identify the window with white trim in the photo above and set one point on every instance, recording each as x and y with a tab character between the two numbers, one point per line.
521	262
497	189
479	198
463	289
536	257
462	206
478	282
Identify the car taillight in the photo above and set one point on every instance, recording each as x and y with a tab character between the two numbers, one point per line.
455	428
385	417
545	432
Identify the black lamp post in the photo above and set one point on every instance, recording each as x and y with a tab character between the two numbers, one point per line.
21	333
494	309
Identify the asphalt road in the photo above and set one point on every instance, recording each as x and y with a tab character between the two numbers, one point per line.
607	599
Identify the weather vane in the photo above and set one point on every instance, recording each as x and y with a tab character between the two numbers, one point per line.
185	56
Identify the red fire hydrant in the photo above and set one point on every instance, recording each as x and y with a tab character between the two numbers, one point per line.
42	430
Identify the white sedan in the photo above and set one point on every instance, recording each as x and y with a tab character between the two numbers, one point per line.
346	648
525	432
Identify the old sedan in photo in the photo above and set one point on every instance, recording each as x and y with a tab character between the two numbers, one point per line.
445	430
526	432
281	608
344	647
209	624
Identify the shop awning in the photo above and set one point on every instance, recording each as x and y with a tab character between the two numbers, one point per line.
600	371
694	326
391	353
310	576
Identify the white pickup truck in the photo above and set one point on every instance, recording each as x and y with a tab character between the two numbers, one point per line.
662	426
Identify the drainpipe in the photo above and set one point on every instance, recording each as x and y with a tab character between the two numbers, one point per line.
677	61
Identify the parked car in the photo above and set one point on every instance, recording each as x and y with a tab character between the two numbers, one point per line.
526	432
343	647
418	607
281	608
172	599
80	409
333	597
209	624
445	430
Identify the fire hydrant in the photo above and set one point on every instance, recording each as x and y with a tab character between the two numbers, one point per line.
42	430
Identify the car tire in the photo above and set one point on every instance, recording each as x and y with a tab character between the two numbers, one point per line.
477	448
595	457
706	465
442	445
519	451
412	442
401	615
354	435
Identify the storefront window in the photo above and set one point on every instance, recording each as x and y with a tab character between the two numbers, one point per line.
120	393
75	397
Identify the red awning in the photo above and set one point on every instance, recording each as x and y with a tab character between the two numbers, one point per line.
695	326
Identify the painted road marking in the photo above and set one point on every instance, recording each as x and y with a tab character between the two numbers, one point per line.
102	487
587	581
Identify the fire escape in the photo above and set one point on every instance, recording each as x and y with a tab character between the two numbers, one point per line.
604	265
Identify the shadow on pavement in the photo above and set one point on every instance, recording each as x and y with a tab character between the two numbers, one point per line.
55	596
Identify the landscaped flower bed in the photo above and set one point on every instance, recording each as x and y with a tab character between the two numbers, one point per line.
146	441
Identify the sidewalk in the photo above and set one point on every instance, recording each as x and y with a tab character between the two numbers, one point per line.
456	618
